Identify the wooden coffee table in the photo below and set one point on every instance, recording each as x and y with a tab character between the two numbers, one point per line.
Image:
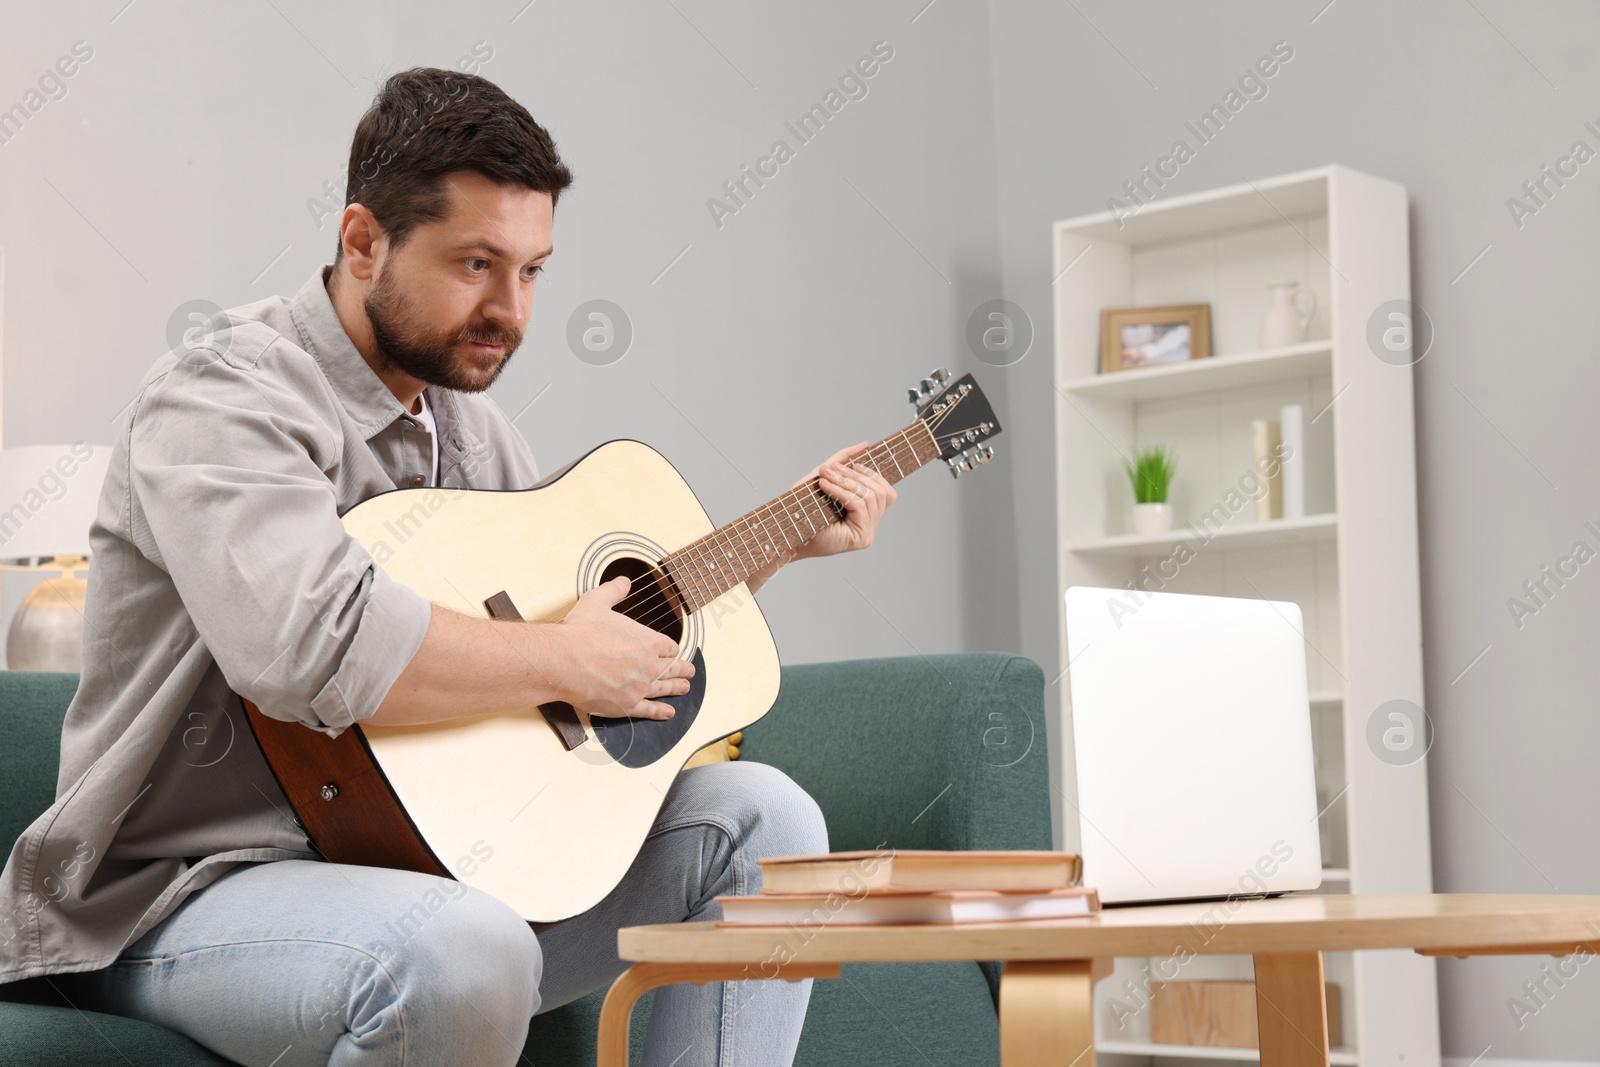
1046	990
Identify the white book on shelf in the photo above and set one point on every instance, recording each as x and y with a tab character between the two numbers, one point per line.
1292	434
1319	481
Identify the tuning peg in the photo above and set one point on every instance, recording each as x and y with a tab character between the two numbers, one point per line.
941	376
928	385
955	468
913	396
985	453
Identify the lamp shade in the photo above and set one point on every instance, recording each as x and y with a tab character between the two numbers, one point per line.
48	497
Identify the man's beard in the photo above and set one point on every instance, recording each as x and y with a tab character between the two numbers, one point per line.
429	355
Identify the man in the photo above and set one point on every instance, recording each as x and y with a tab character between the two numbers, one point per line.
169	880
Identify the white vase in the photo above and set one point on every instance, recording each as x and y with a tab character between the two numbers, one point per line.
1152	518
1289	313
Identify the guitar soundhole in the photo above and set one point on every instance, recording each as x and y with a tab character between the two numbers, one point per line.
651	601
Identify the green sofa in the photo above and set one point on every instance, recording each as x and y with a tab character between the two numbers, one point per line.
945	752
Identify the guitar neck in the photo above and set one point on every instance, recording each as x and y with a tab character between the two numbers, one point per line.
705	569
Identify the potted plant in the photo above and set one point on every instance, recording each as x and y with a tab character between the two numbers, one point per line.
1151	474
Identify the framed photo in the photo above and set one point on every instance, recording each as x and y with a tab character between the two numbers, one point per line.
1151	336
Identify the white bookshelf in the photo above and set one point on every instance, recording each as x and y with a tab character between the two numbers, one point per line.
1350	563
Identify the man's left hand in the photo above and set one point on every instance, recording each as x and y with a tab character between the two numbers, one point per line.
865	494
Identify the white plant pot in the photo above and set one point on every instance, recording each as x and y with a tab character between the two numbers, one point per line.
1152	518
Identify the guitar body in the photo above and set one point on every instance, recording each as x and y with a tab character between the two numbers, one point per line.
499	801
546	808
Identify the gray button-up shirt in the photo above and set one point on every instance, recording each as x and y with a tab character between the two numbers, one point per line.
221	569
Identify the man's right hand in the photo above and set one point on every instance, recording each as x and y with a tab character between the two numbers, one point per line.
617	666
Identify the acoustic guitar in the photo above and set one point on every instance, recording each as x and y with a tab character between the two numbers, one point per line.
546	808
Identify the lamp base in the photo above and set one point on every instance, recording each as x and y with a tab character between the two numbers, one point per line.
47	630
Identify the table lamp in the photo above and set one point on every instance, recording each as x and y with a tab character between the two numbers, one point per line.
48	498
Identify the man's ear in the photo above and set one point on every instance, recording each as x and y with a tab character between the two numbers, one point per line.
362	239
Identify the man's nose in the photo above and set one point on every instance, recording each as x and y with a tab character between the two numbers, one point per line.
508	303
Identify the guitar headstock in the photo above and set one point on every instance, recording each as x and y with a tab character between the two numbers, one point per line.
959	417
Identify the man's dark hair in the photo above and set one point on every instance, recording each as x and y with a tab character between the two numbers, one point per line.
425	123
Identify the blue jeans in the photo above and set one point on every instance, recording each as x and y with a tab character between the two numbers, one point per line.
301	962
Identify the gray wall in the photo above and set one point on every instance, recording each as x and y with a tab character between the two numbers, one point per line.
1462	103
189	145
186	149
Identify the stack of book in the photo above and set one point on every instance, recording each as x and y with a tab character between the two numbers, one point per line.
914	886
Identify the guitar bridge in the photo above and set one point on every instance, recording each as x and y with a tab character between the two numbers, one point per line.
562	717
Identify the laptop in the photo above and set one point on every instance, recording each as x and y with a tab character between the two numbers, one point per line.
1192	730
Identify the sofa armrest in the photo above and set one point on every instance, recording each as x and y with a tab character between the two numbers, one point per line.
943	752
32	707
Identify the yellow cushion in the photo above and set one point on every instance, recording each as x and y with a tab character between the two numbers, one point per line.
718	751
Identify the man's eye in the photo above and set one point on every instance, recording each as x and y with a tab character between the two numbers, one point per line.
477	265
534	272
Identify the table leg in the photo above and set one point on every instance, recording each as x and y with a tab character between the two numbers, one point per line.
1047	1013
1291	1009
617	1012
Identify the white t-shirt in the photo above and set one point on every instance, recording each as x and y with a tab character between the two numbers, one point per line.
426	415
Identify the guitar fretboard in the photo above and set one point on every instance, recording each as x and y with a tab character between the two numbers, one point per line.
705	569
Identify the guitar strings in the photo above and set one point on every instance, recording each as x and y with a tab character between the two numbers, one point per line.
701	553
693	553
